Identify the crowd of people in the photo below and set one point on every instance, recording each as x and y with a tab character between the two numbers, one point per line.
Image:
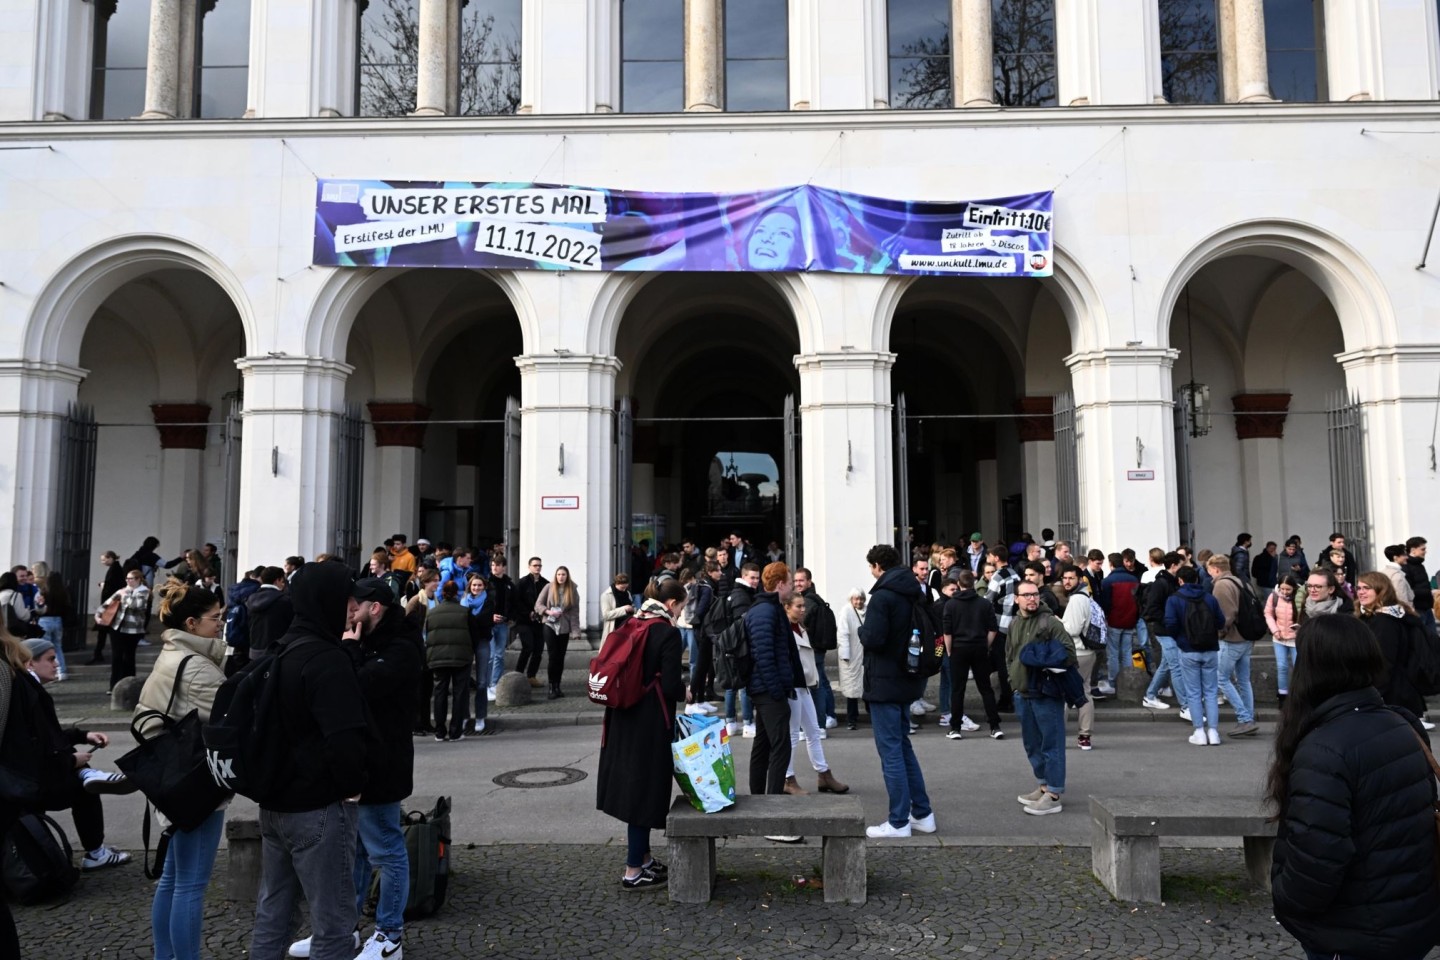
414	642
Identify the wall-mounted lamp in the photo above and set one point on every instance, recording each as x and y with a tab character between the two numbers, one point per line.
274	461
849	457
562	459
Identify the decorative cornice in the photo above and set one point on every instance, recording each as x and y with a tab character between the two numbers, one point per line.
42	369
283	364
398	424
1260	416
536	362
182	426
1124	356
840	359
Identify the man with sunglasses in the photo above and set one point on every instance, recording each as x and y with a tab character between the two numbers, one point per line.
1042	718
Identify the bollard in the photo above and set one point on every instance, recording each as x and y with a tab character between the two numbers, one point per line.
243	839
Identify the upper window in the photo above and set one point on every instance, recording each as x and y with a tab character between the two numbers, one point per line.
757	49
1023	32
1295	49
117	79
652	56
489	57
1189	51
222	67
388	37
920	74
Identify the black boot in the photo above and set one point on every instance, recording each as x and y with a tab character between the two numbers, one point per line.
554	692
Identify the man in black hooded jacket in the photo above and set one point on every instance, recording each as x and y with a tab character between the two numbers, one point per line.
308	828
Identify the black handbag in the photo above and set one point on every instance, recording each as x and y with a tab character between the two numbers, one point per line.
170	767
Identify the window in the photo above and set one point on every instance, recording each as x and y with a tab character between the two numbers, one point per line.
122	38
1023	32
389	40
1189	51
222	68
920	74
757	49
1295	49
489	57
652	56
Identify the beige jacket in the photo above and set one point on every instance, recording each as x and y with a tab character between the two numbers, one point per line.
202	678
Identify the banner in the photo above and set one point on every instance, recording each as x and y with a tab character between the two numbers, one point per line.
529	226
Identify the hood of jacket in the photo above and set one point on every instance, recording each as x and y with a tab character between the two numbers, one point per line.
897	580
1191	591
211	648
320	594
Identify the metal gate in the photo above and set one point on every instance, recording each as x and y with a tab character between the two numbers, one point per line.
230	443
1067	471
902	482
624	455
790	487
1349	507
349	482
74	510
511	492
1184	486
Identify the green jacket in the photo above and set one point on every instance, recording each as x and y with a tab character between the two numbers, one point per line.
1041	625
447	636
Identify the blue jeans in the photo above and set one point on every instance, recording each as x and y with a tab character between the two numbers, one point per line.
54	629
380	843
310	854
1284	664
890	723
1201	671
499	640
747	712
1169	669
945	685
482	667
687	640
637	845
1042	730
1235	658
821	693
1118	659
179	903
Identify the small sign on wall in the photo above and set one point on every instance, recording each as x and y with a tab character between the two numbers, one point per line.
560	503
1139	474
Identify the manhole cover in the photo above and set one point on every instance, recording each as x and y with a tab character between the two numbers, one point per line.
535	777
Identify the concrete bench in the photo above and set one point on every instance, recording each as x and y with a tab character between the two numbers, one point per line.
839	820
1126	831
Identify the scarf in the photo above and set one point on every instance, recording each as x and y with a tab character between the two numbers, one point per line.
475	602
653	609
622	597
1313	608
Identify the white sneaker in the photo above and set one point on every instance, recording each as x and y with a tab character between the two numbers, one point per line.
831	723
1154	704
104	856
944	720
381	947
968	725
885	832
801	736
1426	724
929	707
1220	699
696	709
1185	713
1106	687
301	948
1198	738
490	694
477	726
924	824
748	731
917	709
823	734
1212	737
1049	803
1167	692
732	729
954	735
710	708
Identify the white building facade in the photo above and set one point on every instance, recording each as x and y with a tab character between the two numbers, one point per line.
1267	238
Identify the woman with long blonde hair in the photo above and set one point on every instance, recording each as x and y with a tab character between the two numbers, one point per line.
559	609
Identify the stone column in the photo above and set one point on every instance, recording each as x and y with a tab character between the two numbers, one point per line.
34	398
1122	396
287	456
705	55
1260	428
1252	75
973	53
183	433
399	429
567	418
162	65
1037	454
433	59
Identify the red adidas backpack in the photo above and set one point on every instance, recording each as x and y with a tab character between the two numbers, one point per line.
617	672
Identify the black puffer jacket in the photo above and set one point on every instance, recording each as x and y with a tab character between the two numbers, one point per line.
1354	868
772	643
1398	637
885	634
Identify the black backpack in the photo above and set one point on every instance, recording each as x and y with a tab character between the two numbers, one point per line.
825	632
1201	630
932	642
427	845
734	662
1249	618
39	863
719	616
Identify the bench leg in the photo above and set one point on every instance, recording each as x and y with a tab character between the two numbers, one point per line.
692	869
844	869
1258	853
1128	867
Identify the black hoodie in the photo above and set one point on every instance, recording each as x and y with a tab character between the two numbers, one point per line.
391	658
968	617
321	703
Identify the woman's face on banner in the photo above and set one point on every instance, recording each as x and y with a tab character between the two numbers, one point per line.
773	242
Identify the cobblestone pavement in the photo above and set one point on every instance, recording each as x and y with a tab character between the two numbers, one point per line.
559	902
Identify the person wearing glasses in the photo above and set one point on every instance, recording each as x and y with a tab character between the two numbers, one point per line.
1042	717
128	629
527	621
1323	595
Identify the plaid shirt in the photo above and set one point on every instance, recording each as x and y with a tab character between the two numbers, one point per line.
1001	595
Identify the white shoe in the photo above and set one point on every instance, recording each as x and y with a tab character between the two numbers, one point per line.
924	824
732	729
777	838
929	707
477	726
1212	737
944	720
954	735
885	832
823	734
917	709
490	694
1106	687
1198	738
831	723
1220	699
801	736
104	856
1167	692
381	947
968	725
696	709
1426	724
1185	714
1154	704
301	948
748	731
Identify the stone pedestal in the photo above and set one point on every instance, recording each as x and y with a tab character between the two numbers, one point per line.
513	690
242	838
843	861
692	869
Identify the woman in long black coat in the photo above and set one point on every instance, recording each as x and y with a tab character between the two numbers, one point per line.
636	778
1400	633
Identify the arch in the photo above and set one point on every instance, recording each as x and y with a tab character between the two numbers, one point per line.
1341	273
333	311
69	299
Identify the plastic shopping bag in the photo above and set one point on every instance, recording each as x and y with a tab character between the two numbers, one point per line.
704	766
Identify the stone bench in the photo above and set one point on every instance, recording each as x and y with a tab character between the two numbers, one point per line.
840	821
1126	831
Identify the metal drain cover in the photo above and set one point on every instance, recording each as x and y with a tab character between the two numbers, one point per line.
533	778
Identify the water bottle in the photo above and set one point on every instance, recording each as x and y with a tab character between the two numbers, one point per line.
912	656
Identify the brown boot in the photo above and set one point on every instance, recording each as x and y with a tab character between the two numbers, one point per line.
793	788
828	783
535	681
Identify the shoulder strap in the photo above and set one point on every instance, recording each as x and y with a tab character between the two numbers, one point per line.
175	687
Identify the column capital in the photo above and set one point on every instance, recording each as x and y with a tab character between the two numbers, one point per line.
1124	357
842	359
42	370
279	364
398	423
182	426
1260	416
565	361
